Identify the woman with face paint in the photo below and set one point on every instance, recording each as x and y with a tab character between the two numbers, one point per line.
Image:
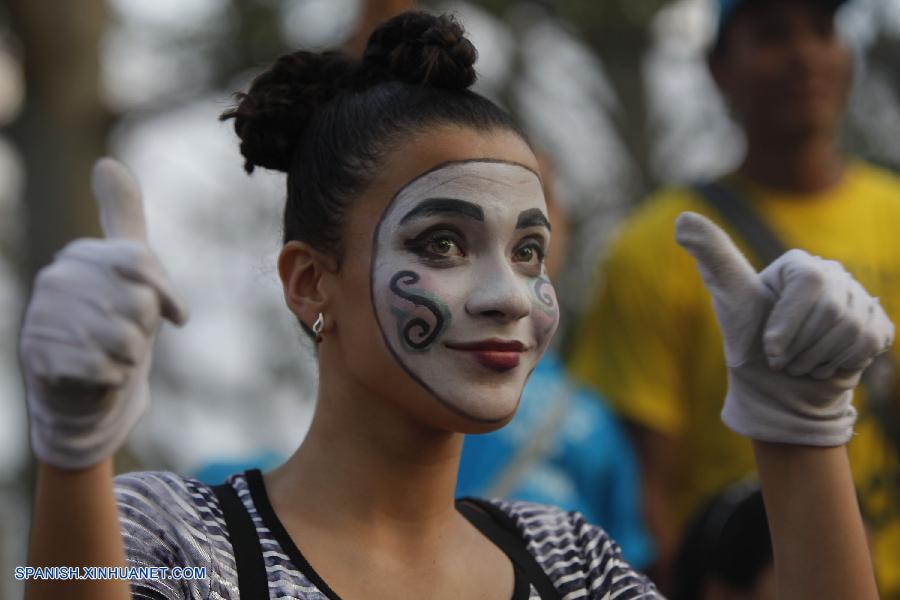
415	231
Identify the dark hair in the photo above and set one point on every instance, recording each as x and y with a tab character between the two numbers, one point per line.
328	119
727	540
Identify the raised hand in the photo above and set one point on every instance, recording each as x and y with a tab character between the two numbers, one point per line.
87	338
797	337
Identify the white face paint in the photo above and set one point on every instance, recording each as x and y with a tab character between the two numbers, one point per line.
458	284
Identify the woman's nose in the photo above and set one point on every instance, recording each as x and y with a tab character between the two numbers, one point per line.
498	292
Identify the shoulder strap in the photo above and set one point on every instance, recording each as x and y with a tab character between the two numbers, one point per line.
253	583
740	216
501	529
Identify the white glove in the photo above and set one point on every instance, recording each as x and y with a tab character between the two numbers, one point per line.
797	336
87	337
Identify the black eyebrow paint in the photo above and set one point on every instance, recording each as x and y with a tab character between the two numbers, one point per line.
453	206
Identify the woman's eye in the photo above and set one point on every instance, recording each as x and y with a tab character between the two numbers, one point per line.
443	247
529	253
437	244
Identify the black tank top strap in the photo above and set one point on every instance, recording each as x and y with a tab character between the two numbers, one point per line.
253	584
487	518
501	529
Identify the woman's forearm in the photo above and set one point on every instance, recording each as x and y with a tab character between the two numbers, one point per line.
818	537
75	523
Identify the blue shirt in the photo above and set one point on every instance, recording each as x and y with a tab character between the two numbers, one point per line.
563	448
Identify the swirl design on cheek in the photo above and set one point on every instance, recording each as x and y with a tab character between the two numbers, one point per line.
545	300
543	291
418	332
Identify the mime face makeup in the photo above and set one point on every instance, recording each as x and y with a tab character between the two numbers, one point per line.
458	284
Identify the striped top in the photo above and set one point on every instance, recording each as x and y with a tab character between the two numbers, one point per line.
171	521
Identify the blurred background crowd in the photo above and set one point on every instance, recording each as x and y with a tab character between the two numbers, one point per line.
616	95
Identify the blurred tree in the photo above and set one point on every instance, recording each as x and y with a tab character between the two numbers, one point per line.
873	122
60	131
254	37
63	126
619	32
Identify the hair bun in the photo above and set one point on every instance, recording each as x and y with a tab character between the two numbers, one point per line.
417	47
271	116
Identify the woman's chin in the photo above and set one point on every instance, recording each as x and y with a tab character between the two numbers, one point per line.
482	409
472	427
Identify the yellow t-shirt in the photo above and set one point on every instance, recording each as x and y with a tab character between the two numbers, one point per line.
651	344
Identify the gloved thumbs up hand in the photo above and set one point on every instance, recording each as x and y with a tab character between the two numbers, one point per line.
797	338
88	333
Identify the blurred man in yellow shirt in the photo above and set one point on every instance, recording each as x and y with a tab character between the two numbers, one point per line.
650	343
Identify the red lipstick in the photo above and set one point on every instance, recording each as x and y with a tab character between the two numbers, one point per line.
498	355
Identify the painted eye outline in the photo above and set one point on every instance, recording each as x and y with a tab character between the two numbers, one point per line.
429	244
537	244
420	244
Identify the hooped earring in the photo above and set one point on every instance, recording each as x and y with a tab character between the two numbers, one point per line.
317	327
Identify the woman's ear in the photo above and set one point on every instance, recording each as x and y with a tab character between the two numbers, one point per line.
302	270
